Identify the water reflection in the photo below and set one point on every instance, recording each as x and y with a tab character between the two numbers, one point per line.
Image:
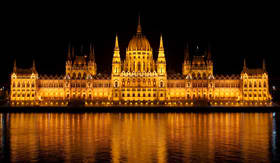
139	137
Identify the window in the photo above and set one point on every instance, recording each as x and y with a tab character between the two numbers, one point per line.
161	84
139	66
116	84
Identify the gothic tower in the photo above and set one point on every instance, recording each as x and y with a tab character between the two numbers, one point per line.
116	63
92	68
161	70
116	70
187	64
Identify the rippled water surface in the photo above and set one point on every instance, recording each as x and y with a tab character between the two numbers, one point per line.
139	137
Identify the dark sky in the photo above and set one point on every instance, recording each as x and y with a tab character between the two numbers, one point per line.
43	31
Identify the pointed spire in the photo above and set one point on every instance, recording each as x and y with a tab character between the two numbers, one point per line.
263	65
161	48
15	66
117	44
69	52
33	66
187	52
91	52
209	52
116	56
244	65
139	29
161	55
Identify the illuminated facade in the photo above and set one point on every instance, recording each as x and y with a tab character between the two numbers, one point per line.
139	80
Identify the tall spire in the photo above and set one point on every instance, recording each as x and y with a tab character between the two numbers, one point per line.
91	52
209	51
69	52
161	56
263	65
244	65
33	66
15	66
139	29
187	52
116	44
161	48
116	49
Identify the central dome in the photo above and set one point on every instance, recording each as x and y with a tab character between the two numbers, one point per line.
139	41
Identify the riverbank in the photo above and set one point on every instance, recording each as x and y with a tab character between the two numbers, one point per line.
135	109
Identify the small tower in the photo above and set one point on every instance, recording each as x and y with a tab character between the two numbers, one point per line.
116	63
244	65
209	55
209	60
91	62
15	67
263	65
161	62
187	64
34	67
139	29
68	65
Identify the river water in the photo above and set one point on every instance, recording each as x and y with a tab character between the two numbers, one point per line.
140	137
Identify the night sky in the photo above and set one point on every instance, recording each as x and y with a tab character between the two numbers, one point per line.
43	31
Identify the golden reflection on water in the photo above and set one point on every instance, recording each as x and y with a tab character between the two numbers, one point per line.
137	137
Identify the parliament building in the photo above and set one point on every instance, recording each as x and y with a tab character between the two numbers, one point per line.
139	80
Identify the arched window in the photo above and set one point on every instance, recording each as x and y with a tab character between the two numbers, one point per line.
193	75
139	66
161	84
204	75
198	75
116	84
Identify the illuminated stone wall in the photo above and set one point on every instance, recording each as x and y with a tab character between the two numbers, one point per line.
139	80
